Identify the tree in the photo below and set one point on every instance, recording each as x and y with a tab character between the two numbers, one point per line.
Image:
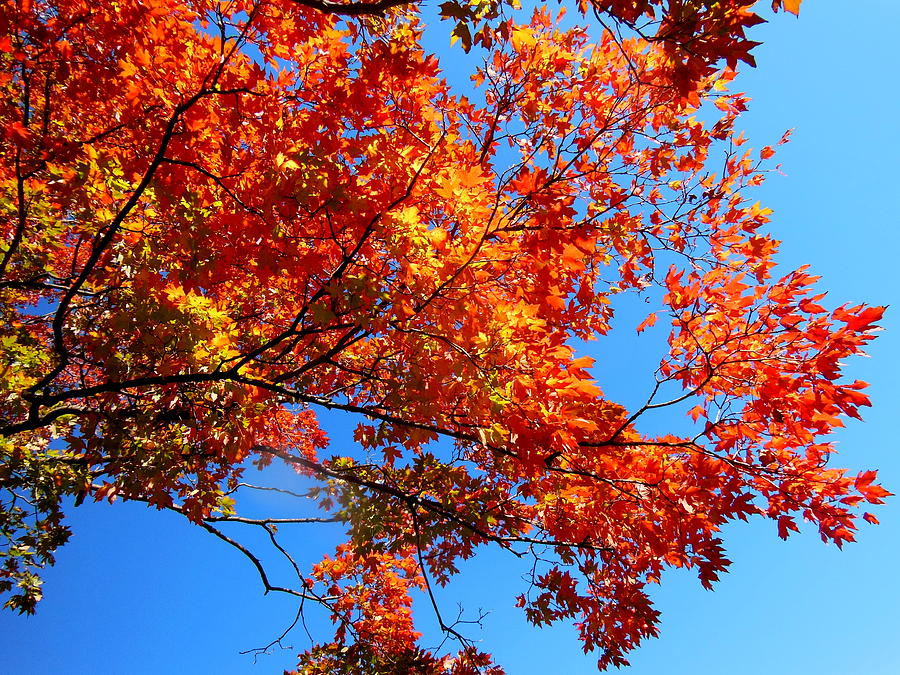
220	218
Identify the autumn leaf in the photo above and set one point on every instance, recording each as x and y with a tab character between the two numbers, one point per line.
222	222
792	6
647	322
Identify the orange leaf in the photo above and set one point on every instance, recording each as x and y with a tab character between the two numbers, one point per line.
647	323
793	6
582	362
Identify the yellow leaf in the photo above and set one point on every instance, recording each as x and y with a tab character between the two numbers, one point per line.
283	162
221	340
523	38
175	294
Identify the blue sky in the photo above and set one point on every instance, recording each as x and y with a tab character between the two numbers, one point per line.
137	591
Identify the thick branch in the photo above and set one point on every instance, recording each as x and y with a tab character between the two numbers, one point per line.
378	8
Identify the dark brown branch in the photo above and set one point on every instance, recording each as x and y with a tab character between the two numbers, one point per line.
430	505
447	629
378	8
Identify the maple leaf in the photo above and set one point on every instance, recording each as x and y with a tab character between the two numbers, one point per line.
647	322
792	6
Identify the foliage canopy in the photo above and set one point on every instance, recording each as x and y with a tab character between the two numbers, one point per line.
222	217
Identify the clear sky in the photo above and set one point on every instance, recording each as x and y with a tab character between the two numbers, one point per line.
137	591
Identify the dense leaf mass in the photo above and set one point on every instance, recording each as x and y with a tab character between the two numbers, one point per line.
221	218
